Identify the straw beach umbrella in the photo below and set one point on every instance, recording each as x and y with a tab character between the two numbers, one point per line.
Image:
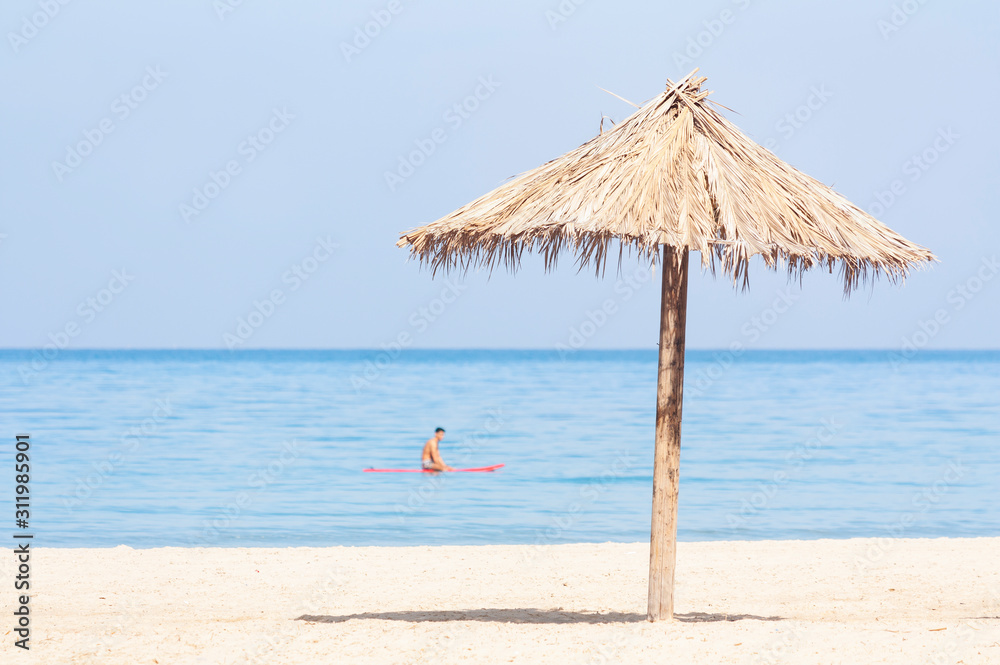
673	178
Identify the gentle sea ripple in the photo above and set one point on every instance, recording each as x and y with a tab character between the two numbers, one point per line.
152	448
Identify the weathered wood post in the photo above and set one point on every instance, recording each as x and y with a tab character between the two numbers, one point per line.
667	454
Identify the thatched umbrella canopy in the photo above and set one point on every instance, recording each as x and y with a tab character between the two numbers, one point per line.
675	177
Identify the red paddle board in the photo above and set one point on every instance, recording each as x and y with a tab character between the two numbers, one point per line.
482	468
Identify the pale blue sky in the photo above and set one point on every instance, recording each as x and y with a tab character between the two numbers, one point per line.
197	86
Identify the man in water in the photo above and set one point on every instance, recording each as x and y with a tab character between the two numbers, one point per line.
432	456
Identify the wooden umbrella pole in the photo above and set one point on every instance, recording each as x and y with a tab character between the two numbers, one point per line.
667	454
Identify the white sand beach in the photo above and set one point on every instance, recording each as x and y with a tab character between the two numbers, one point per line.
827	601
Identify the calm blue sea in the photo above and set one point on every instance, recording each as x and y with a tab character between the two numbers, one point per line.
266	448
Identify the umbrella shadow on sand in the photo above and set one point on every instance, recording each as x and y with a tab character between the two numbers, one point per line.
524	615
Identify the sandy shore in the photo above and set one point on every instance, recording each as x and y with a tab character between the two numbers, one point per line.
831	601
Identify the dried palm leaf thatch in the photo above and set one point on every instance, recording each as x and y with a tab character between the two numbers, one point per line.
677	173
